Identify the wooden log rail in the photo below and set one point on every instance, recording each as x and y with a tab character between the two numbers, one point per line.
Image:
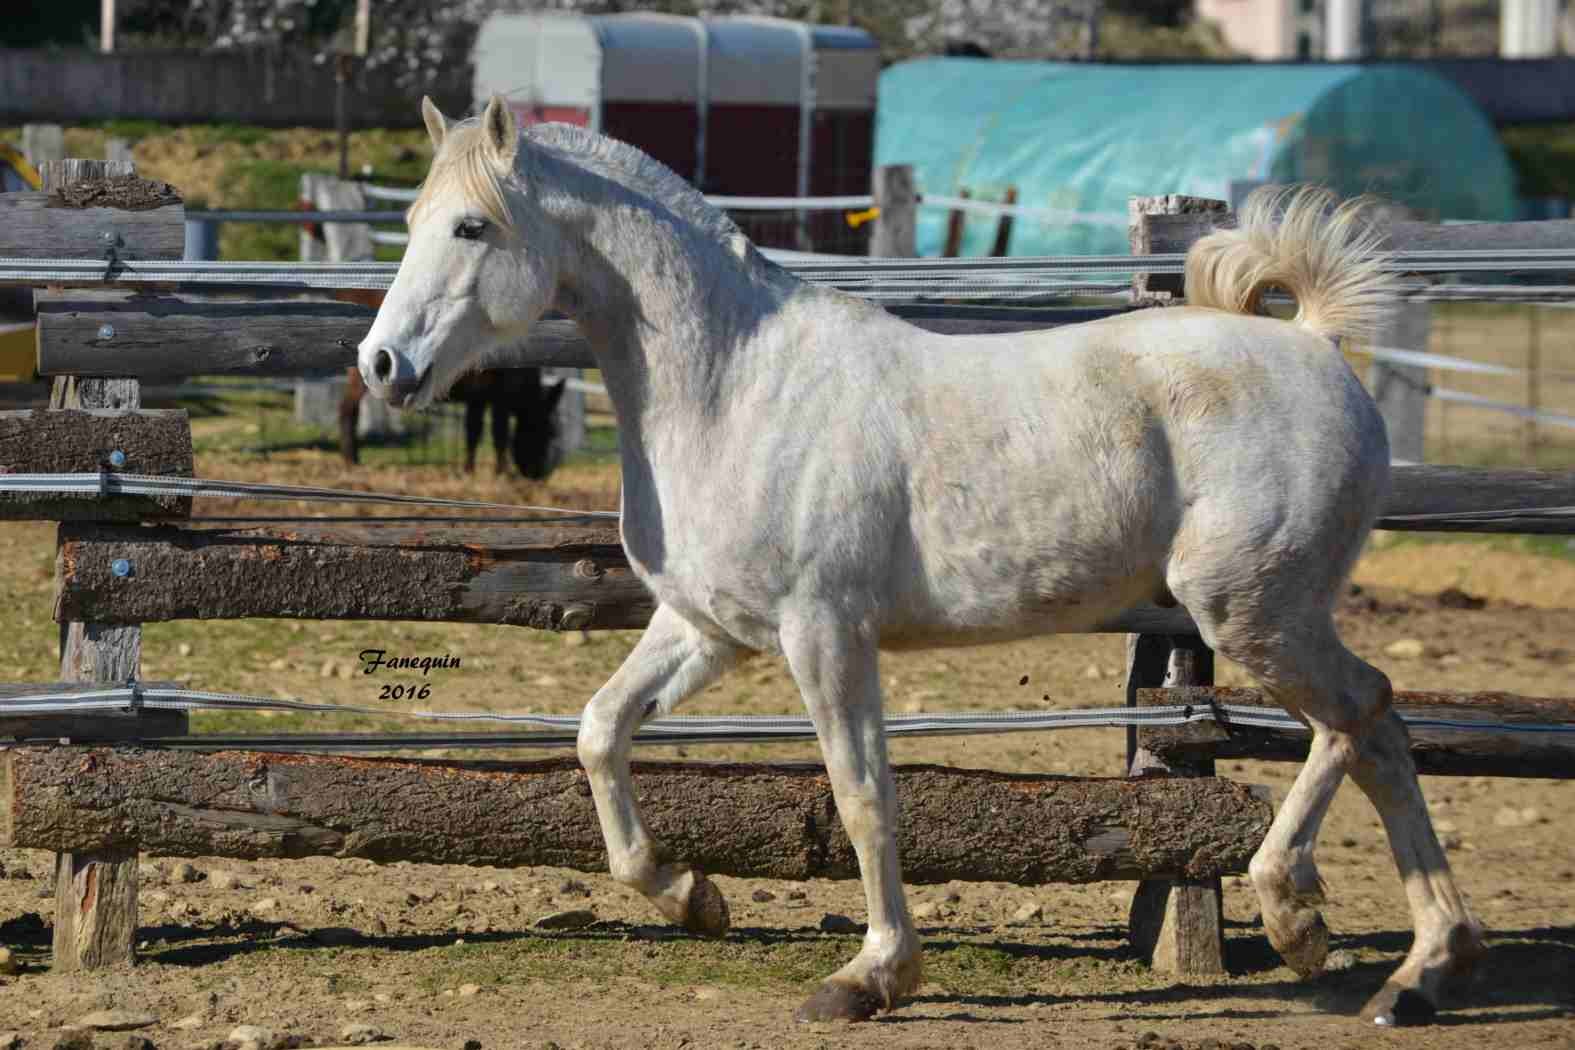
549	577
169	336
93	218
766	821
71	441
555	577
1484	752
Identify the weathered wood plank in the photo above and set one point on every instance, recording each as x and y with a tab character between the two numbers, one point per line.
1424	489
86	726
550	577
162	337
1437	751
36	225
73	441
759	821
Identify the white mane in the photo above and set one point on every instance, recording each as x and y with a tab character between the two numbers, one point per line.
637	171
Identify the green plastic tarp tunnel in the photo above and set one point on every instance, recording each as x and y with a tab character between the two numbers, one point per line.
1077	140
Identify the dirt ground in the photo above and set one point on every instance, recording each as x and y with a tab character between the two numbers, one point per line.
438	956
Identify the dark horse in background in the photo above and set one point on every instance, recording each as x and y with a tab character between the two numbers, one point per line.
516	393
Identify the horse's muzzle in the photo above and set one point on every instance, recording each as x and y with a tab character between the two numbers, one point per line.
393	377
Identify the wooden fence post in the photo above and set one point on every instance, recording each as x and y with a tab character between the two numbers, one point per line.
1402	390
896	232
956	222
1003	227
95	890
1160	289
42	143
1178	925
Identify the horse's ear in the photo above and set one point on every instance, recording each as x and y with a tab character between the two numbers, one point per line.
497	123
437	126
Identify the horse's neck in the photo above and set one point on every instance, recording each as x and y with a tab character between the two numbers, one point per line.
670	313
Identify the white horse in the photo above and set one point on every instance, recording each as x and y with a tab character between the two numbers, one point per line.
804	473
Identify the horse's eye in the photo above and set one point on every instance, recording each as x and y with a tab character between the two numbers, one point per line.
470	229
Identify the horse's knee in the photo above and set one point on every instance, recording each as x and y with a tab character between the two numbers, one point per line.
596	743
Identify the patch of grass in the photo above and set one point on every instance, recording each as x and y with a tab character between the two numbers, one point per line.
1544	158
1540	546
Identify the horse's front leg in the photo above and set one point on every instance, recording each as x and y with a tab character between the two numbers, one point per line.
837	671
671	661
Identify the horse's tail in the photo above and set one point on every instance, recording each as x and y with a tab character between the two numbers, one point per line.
1328	258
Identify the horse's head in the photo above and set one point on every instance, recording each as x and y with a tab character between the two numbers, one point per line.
480	269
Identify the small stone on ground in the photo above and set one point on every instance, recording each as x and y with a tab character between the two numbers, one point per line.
566	920
116	1020
359	1034
839	924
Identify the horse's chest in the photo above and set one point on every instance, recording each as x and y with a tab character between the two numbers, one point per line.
704	583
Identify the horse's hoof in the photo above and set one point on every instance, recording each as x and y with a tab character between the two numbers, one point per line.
1302	943
836	1001
1396	1005
706	911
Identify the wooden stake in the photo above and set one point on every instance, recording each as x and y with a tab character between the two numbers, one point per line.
95	890
1179	924
896	226
1003	227
956	222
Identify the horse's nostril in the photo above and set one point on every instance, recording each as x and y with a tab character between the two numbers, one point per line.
383	365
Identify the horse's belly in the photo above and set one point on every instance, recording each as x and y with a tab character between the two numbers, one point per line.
974	600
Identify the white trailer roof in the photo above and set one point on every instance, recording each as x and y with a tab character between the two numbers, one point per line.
555	59
538	59
650	57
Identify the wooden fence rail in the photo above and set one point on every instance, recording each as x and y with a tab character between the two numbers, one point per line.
555	577
768	821
172	336
1487	751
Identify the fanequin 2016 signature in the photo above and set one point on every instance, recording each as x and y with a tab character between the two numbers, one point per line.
374	659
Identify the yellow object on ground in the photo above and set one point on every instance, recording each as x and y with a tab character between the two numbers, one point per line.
11	157
18	352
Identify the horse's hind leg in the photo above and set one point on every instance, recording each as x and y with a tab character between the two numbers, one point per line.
1448	939
1346	701
671	661
837	673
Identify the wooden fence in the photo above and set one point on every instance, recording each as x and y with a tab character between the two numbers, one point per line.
127	560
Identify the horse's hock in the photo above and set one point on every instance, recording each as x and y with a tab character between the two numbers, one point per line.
1173	826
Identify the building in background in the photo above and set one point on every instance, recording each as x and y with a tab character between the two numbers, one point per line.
1346	30
1268	30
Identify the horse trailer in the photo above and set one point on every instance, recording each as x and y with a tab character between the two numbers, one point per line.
740	106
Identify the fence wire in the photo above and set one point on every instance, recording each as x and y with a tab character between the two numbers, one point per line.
562	730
